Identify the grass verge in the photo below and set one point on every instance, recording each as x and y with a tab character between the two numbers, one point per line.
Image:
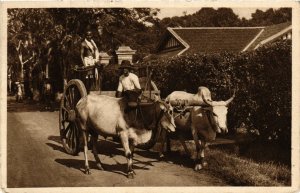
241	171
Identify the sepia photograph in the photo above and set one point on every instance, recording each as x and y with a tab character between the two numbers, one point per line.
119	96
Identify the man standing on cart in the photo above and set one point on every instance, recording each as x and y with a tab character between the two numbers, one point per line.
129	85
89	50
89	56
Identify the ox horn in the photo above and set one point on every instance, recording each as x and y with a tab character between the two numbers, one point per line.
231	98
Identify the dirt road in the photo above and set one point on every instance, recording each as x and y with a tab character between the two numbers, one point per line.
36	159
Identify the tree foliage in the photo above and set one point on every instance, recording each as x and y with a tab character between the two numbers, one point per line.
225	17
112	26
54	35
270	17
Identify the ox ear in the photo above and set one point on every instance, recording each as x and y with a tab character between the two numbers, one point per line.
162	107
156	98
161	103
209	102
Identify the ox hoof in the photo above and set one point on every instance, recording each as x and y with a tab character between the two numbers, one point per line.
130	175
204	164
87	171
161	156
99	166
198	167
186	155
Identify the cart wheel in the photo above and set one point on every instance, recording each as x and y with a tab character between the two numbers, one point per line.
69	130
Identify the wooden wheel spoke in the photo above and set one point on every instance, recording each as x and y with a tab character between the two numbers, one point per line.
76	98
71	97
69	136
77	133
63	115
68	99
70	141
69	130
75	136
65	132
65	109
67	102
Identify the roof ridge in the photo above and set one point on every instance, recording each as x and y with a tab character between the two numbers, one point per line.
184	43
286	29
260	27
253	40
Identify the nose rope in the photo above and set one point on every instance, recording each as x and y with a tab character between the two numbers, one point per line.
171	121
169	118
209	115
159	118
161	114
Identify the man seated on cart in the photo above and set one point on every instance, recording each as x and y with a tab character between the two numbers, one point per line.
129	85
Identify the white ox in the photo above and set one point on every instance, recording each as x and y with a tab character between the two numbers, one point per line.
180	98
104	115
203	119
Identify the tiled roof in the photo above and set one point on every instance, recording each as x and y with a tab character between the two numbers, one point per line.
209	40
268	32
216	39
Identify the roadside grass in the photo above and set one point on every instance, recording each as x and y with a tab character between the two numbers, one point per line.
246	172
241	171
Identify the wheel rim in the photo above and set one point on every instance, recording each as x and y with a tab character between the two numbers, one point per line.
69	131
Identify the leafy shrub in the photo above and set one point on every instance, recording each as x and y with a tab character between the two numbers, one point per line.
261	79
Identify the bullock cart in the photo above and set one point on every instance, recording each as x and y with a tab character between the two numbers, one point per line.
88	80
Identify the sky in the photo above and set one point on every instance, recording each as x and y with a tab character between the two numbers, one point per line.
170	12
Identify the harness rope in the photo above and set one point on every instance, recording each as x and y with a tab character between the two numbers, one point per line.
209	114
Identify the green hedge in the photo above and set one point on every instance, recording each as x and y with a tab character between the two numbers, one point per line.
261	78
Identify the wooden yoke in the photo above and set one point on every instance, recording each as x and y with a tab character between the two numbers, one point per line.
187	102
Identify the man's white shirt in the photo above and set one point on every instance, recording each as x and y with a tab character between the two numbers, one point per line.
129	82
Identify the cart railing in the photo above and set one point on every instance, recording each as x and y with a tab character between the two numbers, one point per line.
89	75
146	96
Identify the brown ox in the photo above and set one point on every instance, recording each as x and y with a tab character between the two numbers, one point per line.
104	115
202	121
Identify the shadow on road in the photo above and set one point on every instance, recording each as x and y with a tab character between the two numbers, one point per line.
110	148
175	157
72	163
147	154
56	139
118	168
56	147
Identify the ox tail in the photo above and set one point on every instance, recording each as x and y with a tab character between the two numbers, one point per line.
81	110
139	136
